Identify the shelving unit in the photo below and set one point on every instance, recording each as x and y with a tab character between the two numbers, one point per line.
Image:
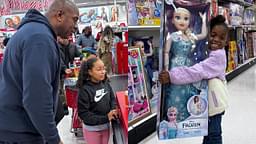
142	28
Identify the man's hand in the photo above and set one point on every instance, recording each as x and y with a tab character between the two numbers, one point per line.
164	77
61	142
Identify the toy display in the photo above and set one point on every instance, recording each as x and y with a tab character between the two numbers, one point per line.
150	62
183	108
236	14
137	93
249	17
99	17
144	12
225	12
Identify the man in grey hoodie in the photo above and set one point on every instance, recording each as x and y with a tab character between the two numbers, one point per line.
29	76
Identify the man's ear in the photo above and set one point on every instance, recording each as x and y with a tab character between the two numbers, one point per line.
59	15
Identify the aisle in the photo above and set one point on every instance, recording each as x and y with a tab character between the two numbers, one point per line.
239	120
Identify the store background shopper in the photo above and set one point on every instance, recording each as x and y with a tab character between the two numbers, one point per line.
212	67
107	49
96	101
86	39
30	75
68	53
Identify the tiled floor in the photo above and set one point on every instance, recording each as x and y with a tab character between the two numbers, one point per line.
238	121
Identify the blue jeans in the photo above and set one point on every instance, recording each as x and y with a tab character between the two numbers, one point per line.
214	130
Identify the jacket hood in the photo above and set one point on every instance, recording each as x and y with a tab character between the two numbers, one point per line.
34	15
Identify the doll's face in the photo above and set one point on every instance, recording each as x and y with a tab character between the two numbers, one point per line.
140	44
172	116
181	20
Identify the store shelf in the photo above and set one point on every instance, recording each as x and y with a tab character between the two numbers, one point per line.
140	28
243	3
241	68
242	26
142	129
96	3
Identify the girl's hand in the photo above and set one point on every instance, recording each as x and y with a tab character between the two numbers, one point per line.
203	16
112	115
164	77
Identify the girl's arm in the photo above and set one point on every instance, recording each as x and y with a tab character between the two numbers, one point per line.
203	33
166	52
84	112
211	67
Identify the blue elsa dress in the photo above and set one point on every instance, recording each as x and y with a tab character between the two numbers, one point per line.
178	95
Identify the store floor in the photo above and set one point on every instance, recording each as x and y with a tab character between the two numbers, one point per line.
239	120
69	138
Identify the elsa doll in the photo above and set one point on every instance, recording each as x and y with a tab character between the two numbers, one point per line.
180	45
133	16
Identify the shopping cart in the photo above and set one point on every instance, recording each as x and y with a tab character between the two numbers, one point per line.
71	98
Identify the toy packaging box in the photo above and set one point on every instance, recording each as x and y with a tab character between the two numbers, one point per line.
254	43
137	89
249	17
183	109
236	14
225	12
144	12
150	63
232	56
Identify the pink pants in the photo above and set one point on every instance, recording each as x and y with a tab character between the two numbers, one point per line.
96	137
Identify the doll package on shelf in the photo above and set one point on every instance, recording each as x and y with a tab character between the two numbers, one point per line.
144	12
183	110
150	62
236	14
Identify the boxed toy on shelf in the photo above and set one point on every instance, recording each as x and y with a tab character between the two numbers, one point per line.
254	43
214	8
236	14
240	45
150	63
232	56
249	17
250	44
144	12
137	88
225	12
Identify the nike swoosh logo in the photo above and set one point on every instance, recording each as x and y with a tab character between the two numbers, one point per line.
98	98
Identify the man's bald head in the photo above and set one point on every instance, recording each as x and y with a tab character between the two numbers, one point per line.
62	5
63	16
